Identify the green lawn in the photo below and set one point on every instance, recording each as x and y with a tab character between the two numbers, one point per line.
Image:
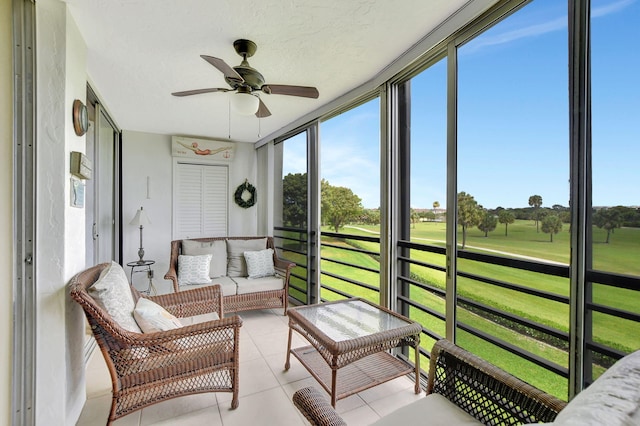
522	240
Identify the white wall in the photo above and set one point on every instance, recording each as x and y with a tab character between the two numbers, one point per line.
6	209
149	155
59	228
75	240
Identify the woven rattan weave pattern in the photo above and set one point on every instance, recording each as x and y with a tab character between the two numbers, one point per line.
314	406
485	392
352	364
149	368
241	302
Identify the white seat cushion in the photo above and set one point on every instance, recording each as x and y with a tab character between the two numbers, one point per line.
432	410
227	285
252	285
197	319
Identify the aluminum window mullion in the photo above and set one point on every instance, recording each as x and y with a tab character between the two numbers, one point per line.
388	181
452	191
580	187
313	209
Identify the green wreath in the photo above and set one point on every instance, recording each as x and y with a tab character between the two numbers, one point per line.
245	204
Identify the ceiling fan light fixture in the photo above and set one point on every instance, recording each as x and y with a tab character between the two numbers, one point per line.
245	103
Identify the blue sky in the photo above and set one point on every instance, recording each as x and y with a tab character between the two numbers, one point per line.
513	116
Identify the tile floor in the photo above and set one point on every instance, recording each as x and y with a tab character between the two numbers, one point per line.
265	388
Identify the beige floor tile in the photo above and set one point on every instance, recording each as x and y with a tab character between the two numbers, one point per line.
177	407
398	385
394	401
255	376
295	372
208	416
248	349
361	416
275	342
259	325
96	412
348	404
268	408
291	388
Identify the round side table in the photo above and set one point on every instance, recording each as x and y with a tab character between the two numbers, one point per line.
140	266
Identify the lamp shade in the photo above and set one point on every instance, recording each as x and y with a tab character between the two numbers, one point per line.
245	103
140	219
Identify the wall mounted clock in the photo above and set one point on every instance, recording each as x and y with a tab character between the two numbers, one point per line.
80	118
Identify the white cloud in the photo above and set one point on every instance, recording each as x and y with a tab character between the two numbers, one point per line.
534	30
529	31
597	12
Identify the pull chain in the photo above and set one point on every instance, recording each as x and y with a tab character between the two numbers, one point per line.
229	114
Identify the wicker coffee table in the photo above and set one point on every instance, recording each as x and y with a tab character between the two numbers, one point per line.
349	347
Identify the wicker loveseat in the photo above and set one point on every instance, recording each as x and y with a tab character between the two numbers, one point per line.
200	355
462	389
241	292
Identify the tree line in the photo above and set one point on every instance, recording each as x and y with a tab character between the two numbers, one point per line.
341	206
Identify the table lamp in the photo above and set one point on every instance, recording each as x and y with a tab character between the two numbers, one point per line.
140	219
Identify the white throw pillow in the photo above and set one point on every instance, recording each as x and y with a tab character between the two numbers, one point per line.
112	293
259	263
194	269
237	266
218	250
152	317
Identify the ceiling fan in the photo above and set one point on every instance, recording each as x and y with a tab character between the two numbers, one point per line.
245	81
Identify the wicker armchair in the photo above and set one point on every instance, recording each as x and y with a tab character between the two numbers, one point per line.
485	392
149	368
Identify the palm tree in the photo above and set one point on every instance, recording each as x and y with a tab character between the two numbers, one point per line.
535	201
469	214
506	217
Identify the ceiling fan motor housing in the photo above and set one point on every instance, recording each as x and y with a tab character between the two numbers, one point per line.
251	76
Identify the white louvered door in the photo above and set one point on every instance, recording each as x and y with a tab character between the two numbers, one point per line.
200	201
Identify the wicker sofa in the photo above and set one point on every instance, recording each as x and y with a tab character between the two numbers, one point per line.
462	389
241	293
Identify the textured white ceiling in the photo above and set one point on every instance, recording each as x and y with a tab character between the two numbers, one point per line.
139	51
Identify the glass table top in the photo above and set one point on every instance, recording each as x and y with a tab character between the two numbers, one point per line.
350	319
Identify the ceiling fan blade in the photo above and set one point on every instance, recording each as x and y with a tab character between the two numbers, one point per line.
283	89
199	91
228	72
263	111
